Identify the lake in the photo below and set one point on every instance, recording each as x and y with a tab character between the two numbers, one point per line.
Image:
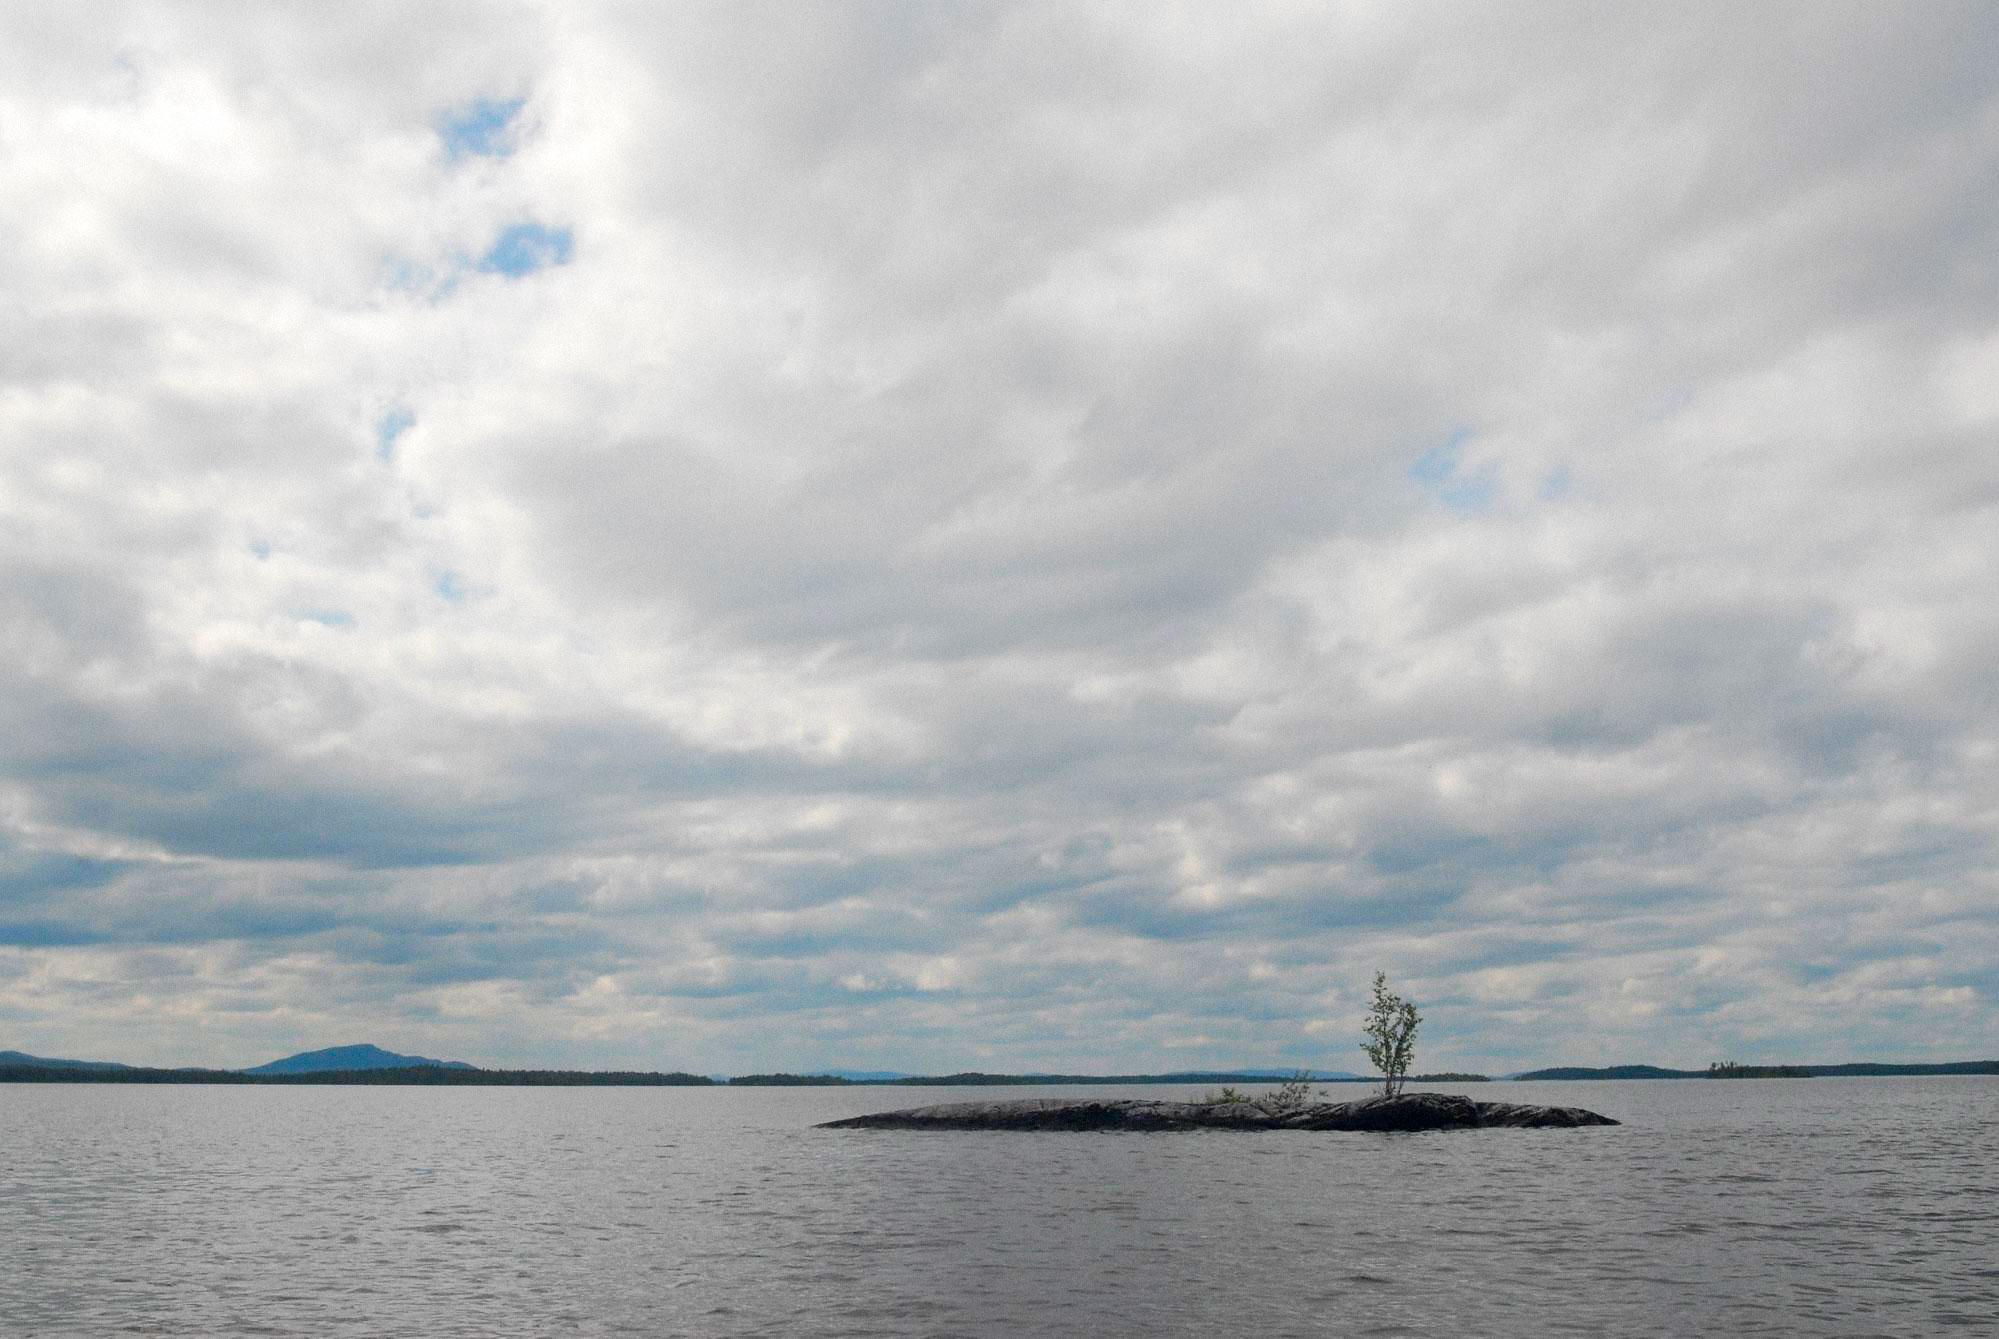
1782	1207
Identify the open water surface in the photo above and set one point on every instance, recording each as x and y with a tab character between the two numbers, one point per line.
1781	1207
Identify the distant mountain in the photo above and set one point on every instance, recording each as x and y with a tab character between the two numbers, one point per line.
351	1058
23	1058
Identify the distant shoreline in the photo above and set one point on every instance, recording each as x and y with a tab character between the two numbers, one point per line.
976	1079
438	1076
443	1076
1567	1073
427	1076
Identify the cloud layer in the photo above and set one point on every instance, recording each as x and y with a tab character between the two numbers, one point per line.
737	537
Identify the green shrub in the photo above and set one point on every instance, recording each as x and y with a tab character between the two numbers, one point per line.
1294	1094
1391	1035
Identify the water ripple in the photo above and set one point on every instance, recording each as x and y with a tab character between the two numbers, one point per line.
1830	1207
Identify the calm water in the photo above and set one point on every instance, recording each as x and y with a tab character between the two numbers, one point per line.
1830	1206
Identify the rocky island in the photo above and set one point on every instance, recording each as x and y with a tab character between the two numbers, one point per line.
1405	1112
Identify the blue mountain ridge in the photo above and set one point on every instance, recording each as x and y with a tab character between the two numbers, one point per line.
350	1058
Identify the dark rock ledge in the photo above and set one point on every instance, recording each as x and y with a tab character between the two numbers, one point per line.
1407	1112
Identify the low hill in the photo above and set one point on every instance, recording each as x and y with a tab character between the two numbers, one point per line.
349	1059
23	1058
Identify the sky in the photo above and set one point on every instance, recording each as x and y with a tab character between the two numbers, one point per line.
757	536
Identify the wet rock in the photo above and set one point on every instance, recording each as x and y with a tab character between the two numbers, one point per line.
1408	1112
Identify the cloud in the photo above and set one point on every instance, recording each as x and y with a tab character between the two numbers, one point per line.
759	537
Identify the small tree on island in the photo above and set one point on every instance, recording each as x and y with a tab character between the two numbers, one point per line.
1391	1035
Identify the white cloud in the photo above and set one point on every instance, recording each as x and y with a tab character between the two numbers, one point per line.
930	565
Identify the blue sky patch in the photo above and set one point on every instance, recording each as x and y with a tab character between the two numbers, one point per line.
404	275
449	586
1437	472
525	248
483	129
332	618
393	425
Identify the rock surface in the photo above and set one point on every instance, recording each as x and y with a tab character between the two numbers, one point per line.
1408	1112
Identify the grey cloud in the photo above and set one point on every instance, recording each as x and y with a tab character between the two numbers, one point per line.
942	572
